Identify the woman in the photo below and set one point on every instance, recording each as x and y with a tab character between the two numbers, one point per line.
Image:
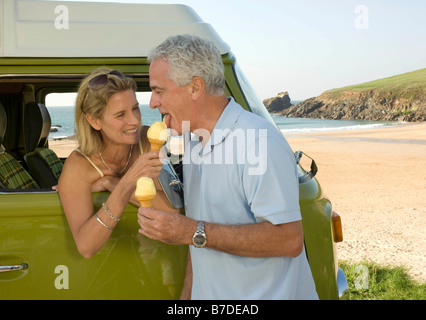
113	153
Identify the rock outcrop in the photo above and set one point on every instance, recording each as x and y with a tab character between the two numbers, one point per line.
361	105
397	98
279	103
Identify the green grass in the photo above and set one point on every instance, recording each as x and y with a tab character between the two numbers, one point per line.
408	85
370	281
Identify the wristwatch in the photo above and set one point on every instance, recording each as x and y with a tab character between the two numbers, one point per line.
199	239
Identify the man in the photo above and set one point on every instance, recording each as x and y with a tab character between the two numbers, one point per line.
240	184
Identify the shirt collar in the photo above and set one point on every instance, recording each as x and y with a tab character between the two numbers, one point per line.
224	125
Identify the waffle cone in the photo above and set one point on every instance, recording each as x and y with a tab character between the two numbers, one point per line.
145	203
156	146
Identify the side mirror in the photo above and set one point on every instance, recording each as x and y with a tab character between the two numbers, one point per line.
308	174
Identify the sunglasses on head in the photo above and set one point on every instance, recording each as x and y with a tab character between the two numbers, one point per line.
103	78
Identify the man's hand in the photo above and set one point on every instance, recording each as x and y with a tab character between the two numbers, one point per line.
168	227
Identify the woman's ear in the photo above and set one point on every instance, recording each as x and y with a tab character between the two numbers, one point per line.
197	86
94	122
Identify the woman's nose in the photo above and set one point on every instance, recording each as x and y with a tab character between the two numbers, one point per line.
135	116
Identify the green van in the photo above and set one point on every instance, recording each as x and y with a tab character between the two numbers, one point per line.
48	47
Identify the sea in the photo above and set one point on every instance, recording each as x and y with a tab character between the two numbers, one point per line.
63	122
62	118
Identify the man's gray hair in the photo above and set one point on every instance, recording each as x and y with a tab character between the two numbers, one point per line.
190	56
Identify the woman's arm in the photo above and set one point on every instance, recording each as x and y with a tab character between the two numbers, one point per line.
107	183
91	230
74	187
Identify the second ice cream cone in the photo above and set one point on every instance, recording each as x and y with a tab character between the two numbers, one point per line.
145	191
146	203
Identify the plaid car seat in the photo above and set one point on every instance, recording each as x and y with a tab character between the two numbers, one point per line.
43	163
12	174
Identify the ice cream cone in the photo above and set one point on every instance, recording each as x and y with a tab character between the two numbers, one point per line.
145	203
156	145
145	191
157	135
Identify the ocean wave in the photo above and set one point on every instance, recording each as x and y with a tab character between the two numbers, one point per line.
338	128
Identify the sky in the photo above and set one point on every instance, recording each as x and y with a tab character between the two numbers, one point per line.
306	47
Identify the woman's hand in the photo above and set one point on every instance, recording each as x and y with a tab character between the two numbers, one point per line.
146	165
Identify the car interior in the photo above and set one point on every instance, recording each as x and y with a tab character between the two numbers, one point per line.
42	162
12	173
26	161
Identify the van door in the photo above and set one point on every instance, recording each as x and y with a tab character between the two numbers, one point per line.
39	258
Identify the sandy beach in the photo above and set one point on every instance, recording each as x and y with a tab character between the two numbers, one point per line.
376	181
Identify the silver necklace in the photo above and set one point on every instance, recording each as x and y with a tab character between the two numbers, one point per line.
125	167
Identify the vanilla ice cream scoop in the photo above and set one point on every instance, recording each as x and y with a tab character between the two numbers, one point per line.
145	191
158	135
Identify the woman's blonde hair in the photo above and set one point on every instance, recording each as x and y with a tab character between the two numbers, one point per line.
92	100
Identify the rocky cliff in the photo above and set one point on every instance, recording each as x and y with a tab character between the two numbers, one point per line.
369	105
397	98
279	103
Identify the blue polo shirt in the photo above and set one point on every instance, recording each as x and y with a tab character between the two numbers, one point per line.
246	173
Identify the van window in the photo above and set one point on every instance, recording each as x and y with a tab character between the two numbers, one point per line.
252	99
61	109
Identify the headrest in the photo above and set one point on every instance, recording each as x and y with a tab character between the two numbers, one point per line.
37	125
3	122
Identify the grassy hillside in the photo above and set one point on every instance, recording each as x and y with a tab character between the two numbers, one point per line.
407	85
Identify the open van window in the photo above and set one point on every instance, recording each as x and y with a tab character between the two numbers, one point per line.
61	109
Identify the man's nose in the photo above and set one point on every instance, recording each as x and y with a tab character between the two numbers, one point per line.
153	102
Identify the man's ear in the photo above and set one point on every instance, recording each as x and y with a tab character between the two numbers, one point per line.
197	86
94	122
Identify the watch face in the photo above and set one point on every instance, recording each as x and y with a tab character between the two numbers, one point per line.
199	240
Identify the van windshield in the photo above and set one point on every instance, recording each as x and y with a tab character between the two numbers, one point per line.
250	95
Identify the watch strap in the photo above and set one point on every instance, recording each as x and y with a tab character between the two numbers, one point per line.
199	239
200	227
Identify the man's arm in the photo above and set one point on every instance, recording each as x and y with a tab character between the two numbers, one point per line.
252	240
256	240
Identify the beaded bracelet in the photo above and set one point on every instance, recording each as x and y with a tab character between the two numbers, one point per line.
102	223
109	213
